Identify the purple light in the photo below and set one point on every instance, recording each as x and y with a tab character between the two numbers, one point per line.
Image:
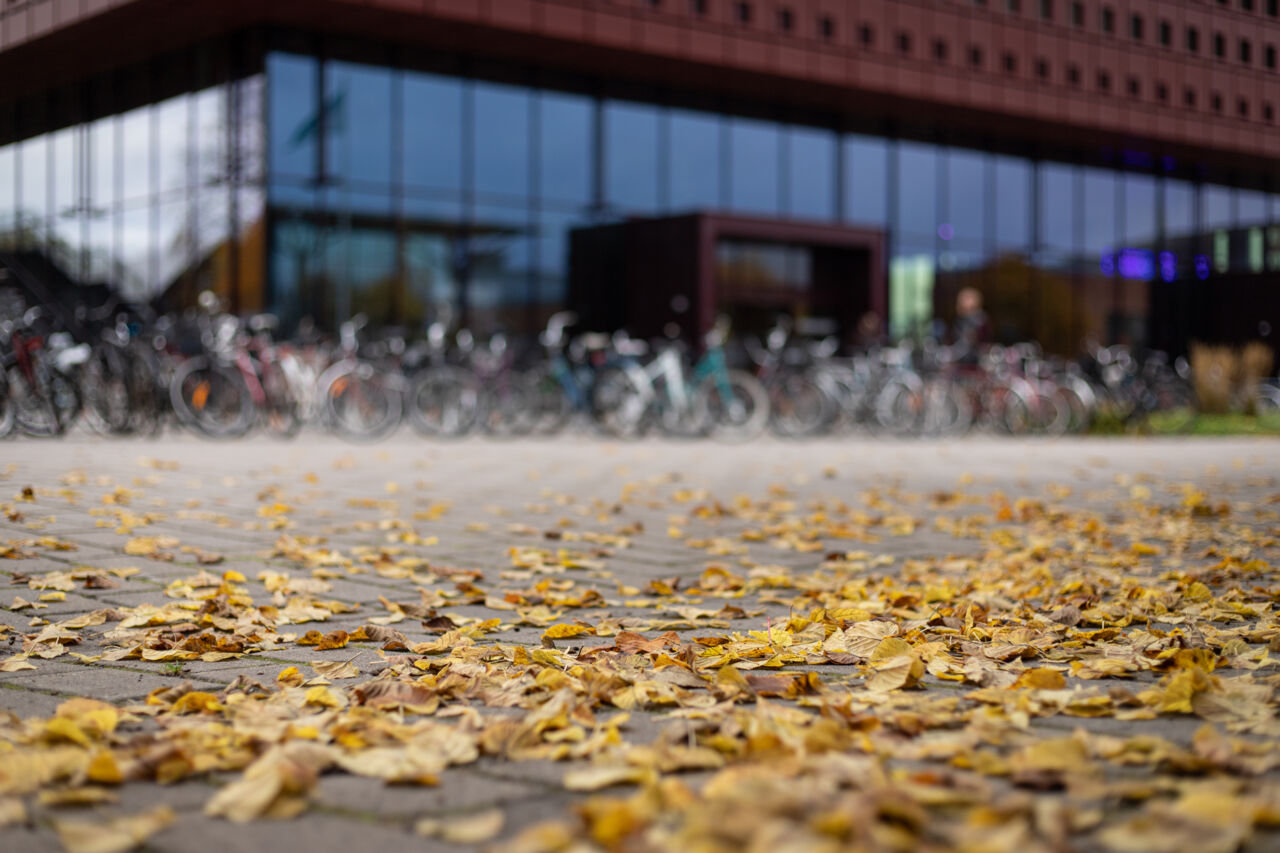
1137	264
945	231
1168	266
1107	263
1202	267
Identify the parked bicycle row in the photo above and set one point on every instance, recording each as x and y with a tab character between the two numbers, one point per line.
224	377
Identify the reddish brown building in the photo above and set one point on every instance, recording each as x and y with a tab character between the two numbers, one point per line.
1100	169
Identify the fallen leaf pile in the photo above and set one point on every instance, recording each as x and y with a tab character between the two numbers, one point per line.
811	691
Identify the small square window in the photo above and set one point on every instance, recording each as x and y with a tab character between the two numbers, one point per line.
1014	6
979	2
1269	56
1242	107
1162	93
699	7
904	42
975	56
1077	14
1166	33
1268	113
1215	103
1273	8
1104	81
1010	63
940	50
1193	40
1073	75
1042	68
1134	86
1219	45
786	20
1135	27
1189	97
742	11
1108	20
1046	10
827	27
866	35
1247	5
1245	51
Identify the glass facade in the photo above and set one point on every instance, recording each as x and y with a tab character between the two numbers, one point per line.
160	200
321	187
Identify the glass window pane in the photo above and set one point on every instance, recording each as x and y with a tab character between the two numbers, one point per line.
811	161
1251	208
753	157
133	261
1179	209
292	114
211	135
8	187
631	156
252	154
565	147
1099	212
100	250
102	163
66	173
1013	203
358	144
172	120
34	179
964	222
500	258
1058	207
502	140
1215	207
135	156
866	166
433	132
1139	210
917	191
695	160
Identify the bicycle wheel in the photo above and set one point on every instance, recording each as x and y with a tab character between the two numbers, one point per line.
798	407
444	402
281	415
550	406
211	399
362	403
46	408
621	408
737	405
104	391
504	410
8	422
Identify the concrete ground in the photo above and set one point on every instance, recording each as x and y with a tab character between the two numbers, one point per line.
222	507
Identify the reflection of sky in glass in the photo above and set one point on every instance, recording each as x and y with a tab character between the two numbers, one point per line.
433	110
695	161
966	197
1013	203
917	189
631	156
866	173
811	178
564	142
753	153
502	115
1058	207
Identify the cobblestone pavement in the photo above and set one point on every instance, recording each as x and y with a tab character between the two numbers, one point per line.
174	508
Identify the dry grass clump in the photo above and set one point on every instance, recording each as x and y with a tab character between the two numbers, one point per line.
1226	379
